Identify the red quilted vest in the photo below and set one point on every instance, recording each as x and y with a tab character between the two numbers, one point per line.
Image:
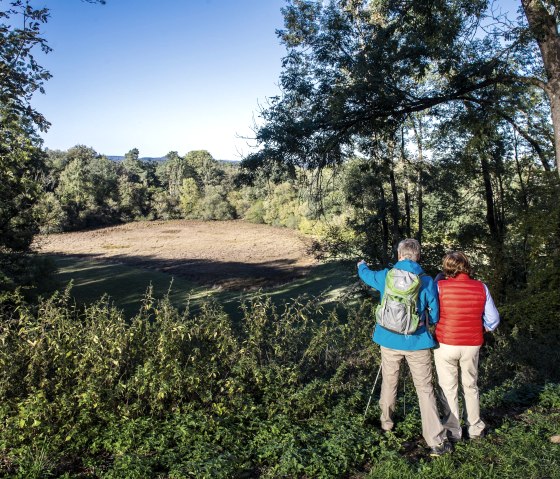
461	305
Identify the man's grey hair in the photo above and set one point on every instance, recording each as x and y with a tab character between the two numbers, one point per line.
409	248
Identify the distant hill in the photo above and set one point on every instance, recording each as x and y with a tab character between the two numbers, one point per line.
161	158
144	158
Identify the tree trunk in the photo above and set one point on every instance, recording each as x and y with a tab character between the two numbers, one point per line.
407	211
420	206
555	111
545	30
407	219
394	209
525	200
491	220
496	241
418	133
384	226
524	197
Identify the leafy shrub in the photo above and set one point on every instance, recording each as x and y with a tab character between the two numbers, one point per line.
49	213
255	213
531	325
214	205
86	393
29	273
550	396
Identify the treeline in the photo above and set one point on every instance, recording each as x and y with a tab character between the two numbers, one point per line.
83	189
497	202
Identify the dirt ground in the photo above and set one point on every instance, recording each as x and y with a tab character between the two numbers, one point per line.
227	254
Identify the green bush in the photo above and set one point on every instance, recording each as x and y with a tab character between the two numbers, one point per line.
214	205
255	213
86	393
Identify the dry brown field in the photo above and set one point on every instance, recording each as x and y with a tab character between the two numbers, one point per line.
227	254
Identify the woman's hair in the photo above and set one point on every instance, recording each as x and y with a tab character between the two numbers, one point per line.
409	248
454	263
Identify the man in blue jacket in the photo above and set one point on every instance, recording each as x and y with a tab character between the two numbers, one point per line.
414	347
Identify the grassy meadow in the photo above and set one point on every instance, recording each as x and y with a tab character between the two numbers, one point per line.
126	285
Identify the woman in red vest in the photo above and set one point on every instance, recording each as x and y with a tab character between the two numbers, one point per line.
466	310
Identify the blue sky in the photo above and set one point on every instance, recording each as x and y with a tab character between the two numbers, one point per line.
159	75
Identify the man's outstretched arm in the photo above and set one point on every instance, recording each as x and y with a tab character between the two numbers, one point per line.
375	279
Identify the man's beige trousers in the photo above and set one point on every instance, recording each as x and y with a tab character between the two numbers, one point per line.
449	359
420	365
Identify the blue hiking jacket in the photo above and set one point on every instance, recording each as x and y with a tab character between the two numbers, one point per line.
428	308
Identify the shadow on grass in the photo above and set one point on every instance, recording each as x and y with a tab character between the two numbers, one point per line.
190	282
230	275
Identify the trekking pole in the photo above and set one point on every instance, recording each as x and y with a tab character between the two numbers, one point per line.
372	389
404	390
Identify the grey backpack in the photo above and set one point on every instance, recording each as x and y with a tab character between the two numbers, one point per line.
397	311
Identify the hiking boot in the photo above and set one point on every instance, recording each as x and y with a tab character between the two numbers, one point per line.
452	439
473	437
441	449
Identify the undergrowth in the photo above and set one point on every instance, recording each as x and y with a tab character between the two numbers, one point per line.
86	393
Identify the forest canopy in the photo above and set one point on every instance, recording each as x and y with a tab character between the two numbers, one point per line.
451	109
